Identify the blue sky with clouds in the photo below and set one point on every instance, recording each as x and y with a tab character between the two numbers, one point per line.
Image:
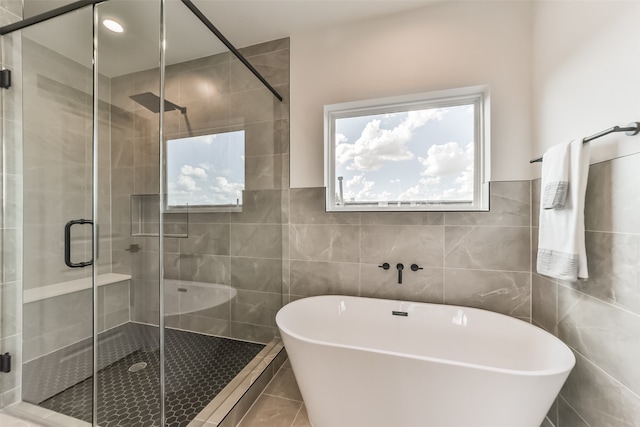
206	170
416	155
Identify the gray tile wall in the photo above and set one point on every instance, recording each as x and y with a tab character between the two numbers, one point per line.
478	259
599	318
11	282
243	250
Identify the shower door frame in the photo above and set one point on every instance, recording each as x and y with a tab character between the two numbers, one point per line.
96	159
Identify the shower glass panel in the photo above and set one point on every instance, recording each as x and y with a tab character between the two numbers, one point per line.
129	380
35	7
137	311
58	209
223	274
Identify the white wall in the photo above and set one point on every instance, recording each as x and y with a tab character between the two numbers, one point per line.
444	45
586	74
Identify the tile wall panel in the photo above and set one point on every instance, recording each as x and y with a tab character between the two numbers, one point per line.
599	317
544	306
603	334
309	278
505	292
238	249
487	248
425	285
473	259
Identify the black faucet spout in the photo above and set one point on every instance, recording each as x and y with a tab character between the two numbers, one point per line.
400	267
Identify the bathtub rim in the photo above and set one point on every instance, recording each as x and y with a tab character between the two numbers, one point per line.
540	373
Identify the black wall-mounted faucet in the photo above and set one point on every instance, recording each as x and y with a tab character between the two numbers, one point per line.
400	267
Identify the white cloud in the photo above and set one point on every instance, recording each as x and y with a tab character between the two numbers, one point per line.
359	180
431	180
451	184
186	183
359	189
465	183
189	170
340	138
447	159
376	146
225	191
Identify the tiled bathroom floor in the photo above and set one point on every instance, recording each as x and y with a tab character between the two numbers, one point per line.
7	420
198	367
279	405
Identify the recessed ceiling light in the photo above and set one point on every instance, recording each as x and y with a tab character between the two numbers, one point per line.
113	25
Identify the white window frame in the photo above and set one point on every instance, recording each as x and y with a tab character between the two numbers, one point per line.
478	95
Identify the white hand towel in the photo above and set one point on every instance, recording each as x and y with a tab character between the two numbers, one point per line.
556	164
561	248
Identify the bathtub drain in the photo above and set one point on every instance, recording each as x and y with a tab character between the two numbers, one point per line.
137	367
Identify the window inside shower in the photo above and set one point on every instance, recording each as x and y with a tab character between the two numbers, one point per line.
206	171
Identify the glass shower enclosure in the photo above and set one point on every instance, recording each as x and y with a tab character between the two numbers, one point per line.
147	168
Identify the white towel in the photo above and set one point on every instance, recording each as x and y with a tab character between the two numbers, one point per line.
556	164
561	248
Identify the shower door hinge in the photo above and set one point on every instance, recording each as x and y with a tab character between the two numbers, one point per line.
5	78
5	363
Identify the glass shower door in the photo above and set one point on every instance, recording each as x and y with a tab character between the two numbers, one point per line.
58	268
129	338
91	248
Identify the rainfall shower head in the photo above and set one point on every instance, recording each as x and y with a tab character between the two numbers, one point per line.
152	103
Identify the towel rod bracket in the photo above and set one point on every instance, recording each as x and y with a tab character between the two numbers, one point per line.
635	131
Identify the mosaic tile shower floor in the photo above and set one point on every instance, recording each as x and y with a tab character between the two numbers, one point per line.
198	367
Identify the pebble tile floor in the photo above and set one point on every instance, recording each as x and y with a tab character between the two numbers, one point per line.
198	367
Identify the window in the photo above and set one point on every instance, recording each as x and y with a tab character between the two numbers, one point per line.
206	171
421	152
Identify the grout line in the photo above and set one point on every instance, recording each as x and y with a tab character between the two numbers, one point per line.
597	367
573	409
280	397
617	307
485	269
619	233
262	393
296	417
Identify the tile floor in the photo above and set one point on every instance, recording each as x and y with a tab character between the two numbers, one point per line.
198	367
279	405
7	420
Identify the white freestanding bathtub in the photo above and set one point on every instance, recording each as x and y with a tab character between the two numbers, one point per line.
363	362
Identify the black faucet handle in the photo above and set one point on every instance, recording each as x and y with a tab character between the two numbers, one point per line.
400	267
385	266
416	267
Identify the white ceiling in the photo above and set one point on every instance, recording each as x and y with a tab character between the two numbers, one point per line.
243	22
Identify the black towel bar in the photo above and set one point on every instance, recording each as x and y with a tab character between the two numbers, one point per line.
629	130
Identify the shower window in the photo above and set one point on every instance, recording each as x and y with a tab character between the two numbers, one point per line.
206	172
422	152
